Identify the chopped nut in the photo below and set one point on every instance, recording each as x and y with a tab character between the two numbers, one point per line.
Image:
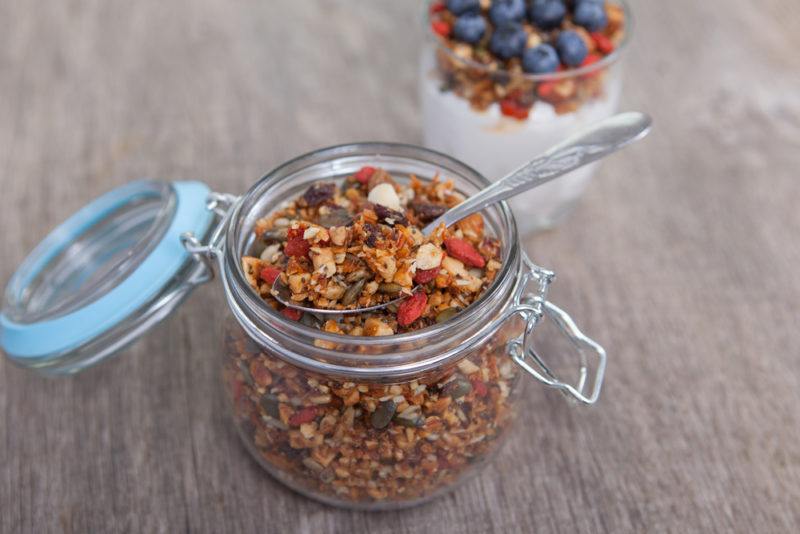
429	256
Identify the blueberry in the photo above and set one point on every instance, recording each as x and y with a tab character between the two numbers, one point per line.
508	40
503	11
571	48
459	7
469	28
547	14
540	59
590	15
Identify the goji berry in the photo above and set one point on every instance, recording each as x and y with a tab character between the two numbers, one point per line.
436	7
296	246
292	314
269	274
441	27
512	108
464	251
295	232
425	276
479	387
302	416
590	59
547	90
411	309
364	174
603	43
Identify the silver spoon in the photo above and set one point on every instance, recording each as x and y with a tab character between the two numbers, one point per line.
586	146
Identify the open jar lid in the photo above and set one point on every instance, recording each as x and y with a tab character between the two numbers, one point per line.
104	276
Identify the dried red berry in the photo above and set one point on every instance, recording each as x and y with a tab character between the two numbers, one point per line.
437	7
603	43
302	416
464	251
511	108
547	90
292	314
590	59
423	277
319	193
411	309
296	246
269	274
364	174
479	387
440	27
291	233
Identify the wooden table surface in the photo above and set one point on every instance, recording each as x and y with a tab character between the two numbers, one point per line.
683	261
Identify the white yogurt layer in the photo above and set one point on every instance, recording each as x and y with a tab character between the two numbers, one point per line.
496	145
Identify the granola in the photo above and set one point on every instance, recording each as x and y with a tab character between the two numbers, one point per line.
368	443
515	53
357	244
351	244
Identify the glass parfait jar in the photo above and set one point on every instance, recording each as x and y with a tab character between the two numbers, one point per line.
360	422
496	120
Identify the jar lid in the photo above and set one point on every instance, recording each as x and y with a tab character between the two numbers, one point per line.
105	276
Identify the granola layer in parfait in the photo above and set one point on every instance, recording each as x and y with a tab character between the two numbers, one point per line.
515	53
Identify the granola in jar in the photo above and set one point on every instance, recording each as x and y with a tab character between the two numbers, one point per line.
358	244
349	245
371	445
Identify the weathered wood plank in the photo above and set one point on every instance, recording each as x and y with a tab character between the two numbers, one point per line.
682	261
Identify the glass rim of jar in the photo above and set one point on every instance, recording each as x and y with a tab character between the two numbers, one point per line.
606	61
242	299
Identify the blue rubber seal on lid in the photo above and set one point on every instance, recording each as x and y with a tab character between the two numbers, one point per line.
71	330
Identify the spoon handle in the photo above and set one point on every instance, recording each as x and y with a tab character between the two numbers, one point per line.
582	148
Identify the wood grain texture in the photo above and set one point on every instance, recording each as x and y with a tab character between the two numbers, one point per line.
682	260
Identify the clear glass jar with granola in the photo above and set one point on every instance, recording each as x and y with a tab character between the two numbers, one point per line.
501	80
388	408
367	409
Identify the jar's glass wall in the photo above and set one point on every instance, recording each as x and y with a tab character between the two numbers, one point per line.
371	445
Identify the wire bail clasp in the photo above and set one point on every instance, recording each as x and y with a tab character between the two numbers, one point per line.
222	205
535	307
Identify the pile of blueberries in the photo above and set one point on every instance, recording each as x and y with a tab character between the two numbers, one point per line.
509	39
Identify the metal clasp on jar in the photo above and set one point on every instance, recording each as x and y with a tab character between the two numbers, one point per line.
534	307
222	205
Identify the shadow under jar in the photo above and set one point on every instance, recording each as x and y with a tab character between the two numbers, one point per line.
384	422
495	117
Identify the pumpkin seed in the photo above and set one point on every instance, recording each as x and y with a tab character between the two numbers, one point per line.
390	289
276	234
310	320
246	373
383	414
353	292
270	405
446	314
335	217
457	388
327	475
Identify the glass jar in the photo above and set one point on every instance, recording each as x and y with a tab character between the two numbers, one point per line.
379	422
360	422
461	115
